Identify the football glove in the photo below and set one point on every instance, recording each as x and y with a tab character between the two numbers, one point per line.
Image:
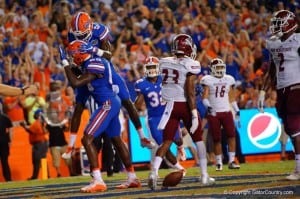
195	122
63	56
88	48
211	111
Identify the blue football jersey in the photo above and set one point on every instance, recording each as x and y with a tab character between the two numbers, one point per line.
152	95
101	88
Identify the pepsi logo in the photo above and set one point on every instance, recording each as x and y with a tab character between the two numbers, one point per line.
264	130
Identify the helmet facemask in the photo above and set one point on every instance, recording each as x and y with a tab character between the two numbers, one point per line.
217	67
151	70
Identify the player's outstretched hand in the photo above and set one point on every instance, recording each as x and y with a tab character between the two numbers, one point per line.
63	56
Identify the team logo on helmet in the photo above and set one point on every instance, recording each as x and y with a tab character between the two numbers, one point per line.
264	130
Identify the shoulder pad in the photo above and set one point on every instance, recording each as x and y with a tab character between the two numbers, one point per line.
193	66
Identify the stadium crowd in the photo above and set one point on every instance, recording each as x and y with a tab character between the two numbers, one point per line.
31	31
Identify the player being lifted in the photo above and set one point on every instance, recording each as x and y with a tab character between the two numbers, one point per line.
97	36
178	90
284	70
218	97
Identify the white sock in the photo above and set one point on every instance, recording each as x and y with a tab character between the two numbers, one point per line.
72	141
201	151
203	167
297	159
141	133
231	156
219	159
156	164
97	175
131	175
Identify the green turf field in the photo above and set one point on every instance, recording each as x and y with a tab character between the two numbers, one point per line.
253	180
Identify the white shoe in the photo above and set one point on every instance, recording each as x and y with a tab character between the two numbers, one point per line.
145	142
152	180
294	176
66	155
206	180
94	186
233	165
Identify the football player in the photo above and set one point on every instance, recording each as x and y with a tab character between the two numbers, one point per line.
218	97
179	74
96	36
283	74
149	92
96	80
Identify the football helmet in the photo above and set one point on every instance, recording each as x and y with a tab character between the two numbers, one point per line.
81	26
183	44
217	67
151	67
77	56
283	22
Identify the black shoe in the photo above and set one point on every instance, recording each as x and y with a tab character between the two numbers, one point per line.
219	167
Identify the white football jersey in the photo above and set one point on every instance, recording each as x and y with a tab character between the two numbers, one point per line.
174	71
287	60
218	91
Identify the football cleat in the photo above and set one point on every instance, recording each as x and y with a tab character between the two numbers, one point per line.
152	180
145	142
233	165
94	186
294	176
219	167
206	180
133	183
181	153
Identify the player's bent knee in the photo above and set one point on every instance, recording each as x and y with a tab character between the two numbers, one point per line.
87	140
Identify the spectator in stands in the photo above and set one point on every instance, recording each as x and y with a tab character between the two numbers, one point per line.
56	116
37	138
5	140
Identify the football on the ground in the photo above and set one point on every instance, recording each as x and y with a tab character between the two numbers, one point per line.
172	179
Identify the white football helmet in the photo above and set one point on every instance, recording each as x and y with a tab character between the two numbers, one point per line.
151	67
283	22
217	67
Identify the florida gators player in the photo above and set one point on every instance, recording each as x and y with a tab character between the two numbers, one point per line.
178	90
149	92
97	78
283	74
97	36
218	97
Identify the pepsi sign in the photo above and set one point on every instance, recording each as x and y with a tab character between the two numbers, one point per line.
260	132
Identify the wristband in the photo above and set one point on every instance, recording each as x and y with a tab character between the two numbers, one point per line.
194	113
65	62
99	52
23	89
